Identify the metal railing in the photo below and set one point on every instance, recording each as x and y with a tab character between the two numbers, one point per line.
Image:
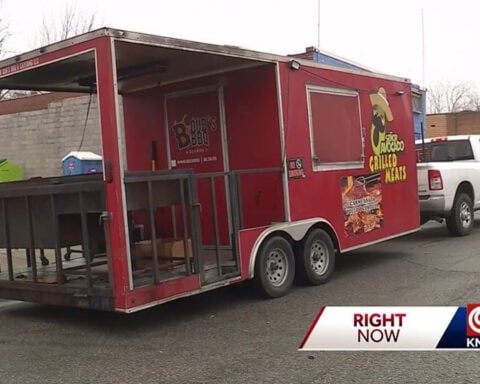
54	214
147	192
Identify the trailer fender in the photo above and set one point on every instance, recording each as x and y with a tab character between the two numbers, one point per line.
295	230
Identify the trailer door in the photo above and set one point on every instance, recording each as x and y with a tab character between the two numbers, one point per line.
196	138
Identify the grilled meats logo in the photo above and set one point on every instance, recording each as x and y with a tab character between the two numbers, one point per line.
386	145
194	132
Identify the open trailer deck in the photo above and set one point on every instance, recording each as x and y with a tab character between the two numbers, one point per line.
219	165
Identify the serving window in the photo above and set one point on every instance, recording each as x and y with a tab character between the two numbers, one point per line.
335	128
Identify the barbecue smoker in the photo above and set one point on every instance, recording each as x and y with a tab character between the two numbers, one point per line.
219	165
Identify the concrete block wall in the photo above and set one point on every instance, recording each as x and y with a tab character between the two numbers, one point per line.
447	124
38	140
436	125
468	123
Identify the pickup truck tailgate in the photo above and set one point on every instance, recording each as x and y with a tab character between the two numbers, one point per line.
422	177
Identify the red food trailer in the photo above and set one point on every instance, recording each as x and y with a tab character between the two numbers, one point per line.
220	165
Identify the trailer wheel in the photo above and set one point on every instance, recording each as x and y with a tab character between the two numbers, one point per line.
317	257
275	267
460	221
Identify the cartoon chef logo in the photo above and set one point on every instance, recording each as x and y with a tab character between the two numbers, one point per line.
387	145
381	115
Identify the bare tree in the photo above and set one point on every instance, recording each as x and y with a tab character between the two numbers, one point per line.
71	22
474	101
3	33
3	39
448	98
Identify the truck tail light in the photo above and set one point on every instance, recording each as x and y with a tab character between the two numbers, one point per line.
435	181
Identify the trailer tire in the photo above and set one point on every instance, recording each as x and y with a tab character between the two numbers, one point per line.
460	221
317	257
275	267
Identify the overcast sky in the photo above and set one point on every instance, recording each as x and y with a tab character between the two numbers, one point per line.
384	35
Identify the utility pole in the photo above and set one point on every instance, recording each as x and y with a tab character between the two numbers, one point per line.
318	26
423	50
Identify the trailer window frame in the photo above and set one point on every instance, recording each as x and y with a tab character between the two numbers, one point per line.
315	133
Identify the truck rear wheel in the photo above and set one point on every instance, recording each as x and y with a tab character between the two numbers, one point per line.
460	221
317	258
275	267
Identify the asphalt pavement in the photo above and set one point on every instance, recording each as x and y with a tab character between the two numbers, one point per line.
232	336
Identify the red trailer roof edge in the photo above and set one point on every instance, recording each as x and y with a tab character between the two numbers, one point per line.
182	44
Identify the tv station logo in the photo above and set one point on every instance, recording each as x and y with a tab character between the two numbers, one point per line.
473	320
394	328
473	326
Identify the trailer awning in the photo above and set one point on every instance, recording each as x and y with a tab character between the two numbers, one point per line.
141	66
61	75
141	61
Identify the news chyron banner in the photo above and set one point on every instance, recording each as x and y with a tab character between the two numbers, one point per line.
394	328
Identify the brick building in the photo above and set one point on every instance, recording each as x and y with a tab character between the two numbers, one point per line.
458	123
61	117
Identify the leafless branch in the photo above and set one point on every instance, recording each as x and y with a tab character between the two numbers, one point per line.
3	32
71	22
447	97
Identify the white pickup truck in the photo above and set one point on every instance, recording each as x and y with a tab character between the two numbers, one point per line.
448	171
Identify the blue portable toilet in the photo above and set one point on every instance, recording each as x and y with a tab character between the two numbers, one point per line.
79	163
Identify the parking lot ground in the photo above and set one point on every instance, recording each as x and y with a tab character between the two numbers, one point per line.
232	336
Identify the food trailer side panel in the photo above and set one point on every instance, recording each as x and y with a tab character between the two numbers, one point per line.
388	201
